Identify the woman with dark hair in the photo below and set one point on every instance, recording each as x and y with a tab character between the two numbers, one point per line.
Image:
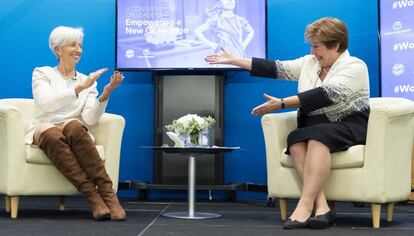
333	102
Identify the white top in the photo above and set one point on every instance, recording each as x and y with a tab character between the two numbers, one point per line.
346	83
346	69
55	100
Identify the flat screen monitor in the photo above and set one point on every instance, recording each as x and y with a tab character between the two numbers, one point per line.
397	48
179	34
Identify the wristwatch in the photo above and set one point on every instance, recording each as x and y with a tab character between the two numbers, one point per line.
283	103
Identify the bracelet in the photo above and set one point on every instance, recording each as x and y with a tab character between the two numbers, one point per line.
283	103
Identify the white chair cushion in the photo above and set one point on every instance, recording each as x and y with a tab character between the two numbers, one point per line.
352	158
35	155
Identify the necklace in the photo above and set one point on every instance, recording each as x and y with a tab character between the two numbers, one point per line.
67	76
326	71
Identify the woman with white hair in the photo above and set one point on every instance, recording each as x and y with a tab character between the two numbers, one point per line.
65	101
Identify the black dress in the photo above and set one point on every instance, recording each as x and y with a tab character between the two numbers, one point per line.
337	136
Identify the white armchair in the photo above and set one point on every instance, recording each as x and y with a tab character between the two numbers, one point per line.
376	173
25	170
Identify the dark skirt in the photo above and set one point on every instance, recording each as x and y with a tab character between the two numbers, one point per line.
336	136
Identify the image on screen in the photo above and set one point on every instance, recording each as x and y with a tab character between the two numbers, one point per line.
179	34
397	49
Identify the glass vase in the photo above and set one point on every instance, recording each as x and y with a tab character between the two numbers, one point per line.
186	140
194	140
203	139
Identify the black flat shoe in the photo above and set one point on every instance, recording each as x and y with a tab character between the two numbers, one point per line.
322	221
294	224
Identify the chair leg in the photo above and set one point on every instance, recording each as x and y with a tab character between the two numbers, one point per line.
7	203
61	203
14	205
283	208
411	197
376	215
390	211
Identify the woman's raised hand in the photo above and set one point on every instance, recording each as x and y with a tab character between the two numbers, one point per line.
270	105
92	77
88	82
116	80
224	58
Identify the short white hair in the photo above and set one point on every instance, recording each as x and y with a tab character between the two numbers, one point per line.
63	35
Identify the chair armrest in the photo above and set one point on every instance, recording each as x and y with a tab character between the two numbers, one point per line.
12	148
276	128
389	145
108	133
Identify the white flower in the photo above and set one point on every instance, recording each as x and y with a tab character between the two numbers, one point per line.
191	124
186	120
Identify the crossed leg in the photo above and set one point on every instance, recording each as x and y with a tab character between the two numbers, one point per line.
43	127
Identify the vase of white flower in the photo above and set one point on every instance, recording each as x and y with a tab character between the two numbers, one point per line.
186	140
204	139
192	126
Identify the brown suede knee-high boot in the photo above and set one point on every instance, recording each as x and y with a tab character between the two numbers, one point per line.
52	142
84	148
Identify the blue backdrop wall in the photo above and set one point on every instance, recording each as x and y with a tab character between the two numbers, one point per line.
25	26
